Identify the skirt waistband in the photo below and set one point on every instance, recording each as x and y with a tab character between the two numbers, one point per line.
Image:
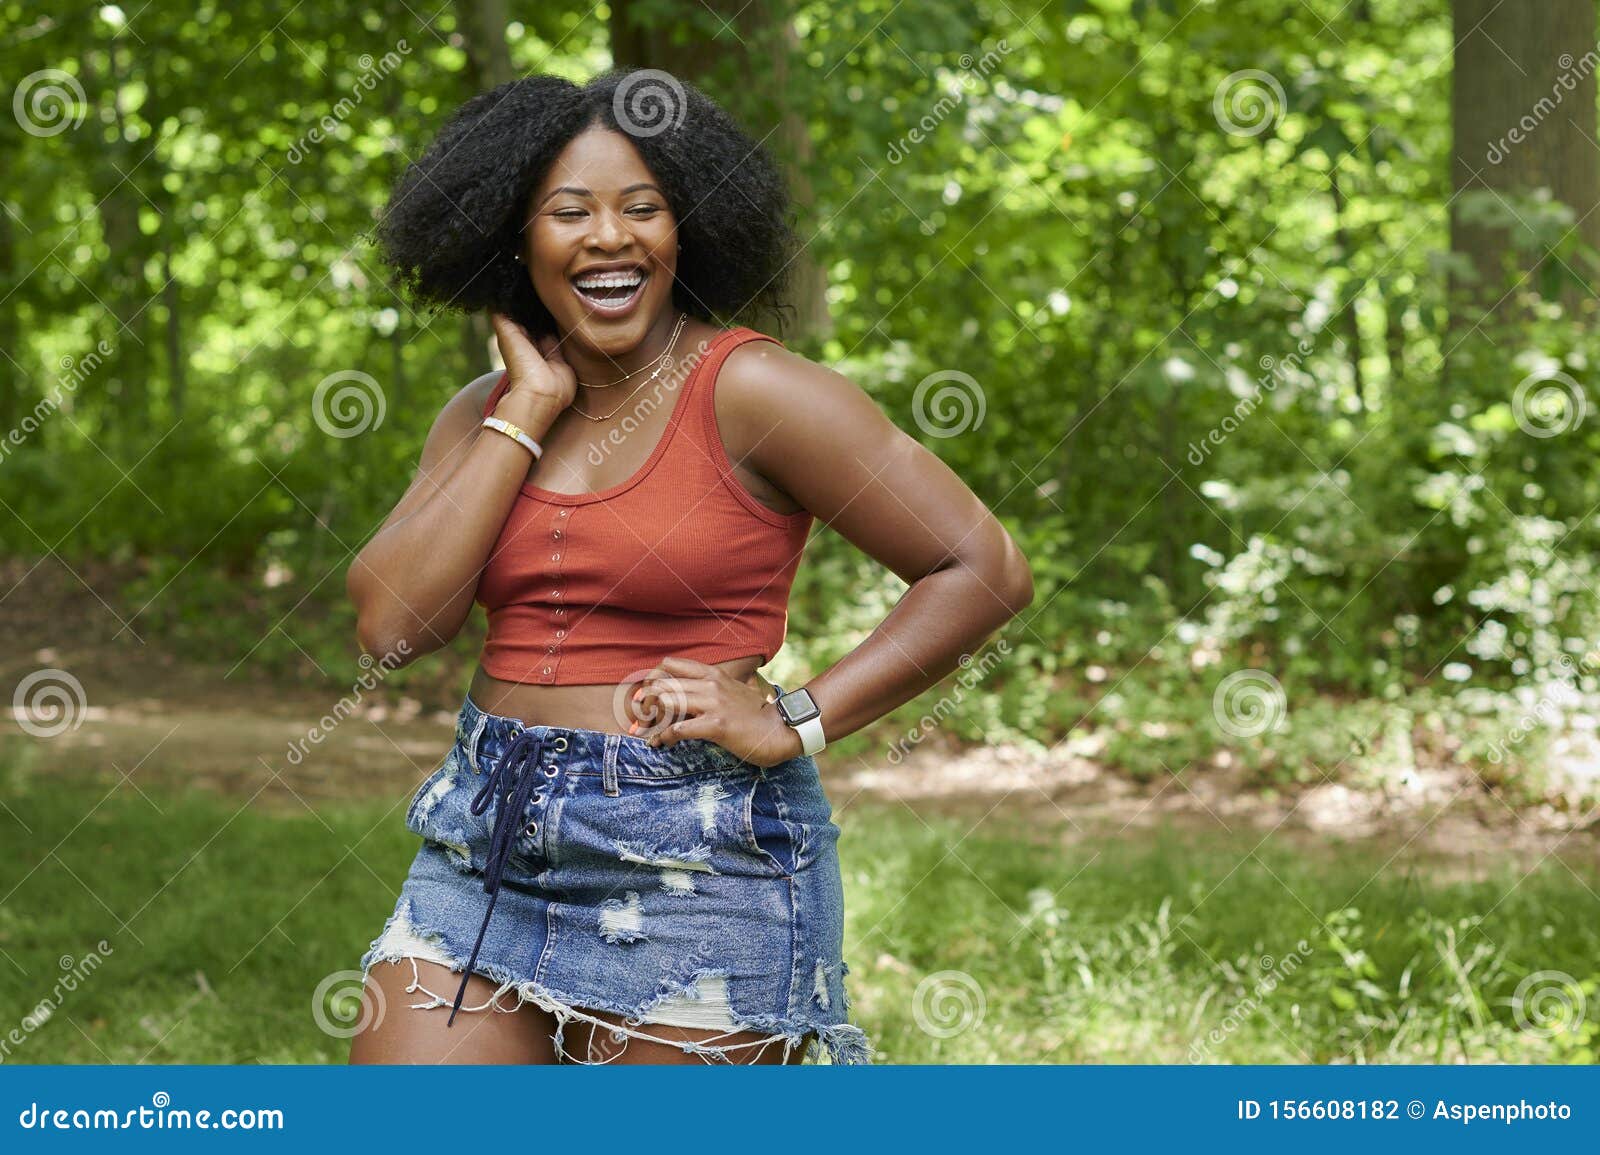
482	734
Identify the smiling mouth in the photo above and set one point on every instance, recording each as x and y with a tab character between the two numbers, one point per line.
611	294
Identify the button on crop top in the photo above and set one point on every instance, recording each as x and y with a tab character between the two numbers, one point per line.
679	559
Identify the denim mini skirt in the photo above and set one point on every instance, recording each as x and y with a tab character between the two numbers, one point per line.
585	872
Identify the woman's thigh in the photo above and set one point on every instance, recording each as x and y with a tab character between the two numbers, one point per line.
592	1044
399	1033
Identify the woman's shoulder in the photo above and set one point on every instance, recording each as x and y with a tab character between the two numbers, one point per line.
763	375
465	408
758	363
474	396
769	398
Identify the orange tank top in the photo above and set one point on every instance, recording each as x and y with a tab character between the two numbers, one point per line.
678	560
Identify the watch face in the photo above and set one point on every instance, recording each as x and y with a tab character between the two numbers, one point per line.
797	706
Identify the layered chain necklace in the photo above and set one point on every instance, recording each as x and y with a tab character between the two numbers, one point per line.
661	364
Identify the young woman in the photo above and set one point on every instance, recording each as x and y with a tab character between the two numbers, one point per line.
627	855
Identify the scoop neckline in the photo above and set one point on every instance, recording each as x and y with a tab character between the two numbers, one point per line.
678	409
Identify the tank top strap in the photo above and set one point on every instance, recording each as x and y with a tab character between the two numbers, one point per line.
498	392
725	343
705	373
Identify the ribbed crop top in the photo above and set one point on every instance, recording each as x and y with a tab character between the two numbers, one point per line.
679	559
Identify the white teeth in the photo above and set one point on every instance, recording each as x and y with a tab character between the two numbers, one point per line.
610	281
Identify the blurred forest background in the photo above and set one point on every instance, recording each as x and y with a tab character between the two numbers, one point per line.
1265	326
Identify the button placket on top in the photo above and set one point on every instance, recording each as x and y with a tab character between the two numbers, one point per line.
558	551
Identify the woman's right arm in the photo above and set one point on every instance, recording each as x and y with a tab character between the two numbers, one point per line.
415	580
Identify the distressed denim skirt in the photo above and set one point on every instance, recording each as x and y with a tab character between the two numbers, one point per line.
586	872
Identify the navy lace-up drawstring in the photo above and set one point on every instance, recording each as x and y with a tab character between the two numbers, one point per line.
515	777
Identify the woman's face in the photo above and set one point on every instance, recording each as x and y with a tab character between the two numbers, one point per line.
601	244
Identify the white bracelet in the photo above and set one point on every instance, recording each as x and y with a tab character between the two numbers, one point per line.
514	431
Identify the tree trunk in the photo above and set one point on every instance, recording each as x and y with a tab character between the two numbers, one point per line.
119	201
483	25
171	300
1347	311
739	52
11	379
1523	111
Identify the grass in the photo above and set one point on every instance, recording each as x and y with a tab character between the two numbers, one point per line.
221	920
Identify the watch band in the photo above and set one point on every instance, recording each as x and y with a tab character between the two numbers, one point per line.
515	432
811	738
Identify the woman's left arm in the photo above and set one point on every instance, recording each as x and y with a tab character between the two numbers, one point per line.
818	437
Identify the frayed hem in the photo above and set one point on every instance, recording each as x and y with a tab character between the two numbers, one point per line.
843	1043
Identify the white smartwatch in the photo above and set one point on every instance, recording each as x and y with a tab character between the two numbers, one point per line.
800	711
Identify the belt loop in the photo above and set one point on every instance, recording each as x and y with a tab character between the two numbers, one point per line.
472	742
608	773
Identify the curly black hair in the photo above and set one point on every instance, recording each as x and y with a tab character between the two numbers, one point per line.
453	222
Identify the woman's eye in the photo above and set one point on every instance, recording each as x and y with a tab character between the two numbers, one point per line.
645	209
567	214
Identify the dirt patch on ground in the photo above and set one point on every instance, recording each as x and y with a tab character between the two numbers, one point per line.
146	720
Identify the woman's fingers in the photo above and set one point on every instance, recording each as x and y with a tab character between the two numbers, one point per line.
512	339
663	696
665	699
687	728
550	350
538	364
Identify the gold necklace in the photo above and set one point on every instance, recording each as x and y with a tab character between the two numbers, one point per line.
678	328
666	359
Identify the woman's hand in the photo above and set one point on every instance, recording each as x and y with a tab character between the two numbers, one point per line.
682	698
536	369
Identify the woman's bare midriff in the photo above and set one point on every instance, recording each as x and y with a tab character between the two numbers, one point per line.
596	707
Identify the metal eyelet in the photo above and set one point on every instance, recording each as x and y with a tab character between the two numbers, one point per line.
550	771
561	742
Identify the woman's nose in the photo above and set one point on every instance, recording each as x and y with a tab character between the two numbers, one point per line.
608	231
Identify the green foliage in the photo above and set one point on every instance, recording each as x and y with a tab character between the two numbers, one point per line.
1195	257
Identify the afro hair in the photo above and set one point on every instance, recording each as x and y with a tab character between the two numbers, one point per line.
453	223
